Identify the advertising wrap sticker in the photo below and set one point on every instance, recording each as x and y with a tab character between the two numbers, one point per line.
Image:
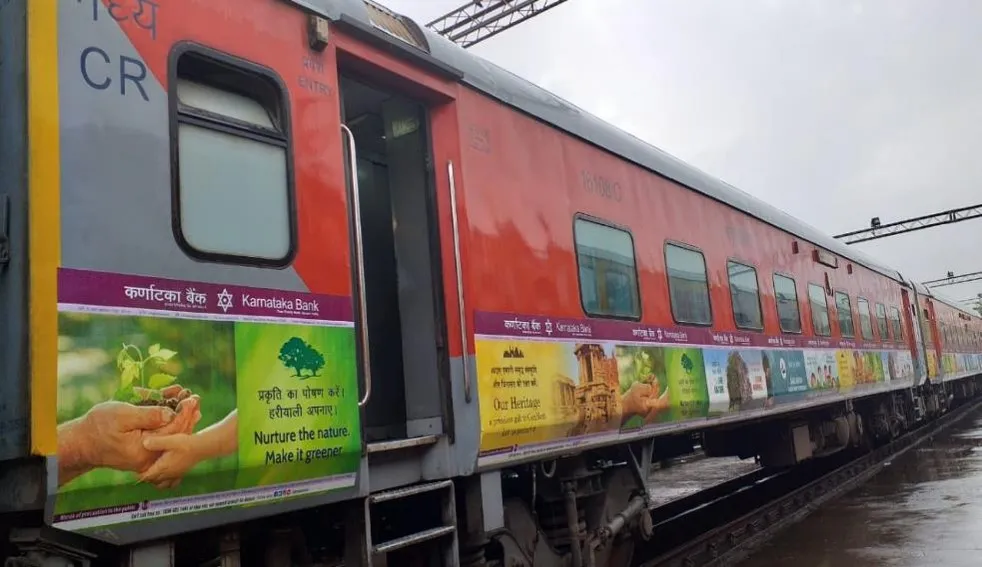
547	383
176	397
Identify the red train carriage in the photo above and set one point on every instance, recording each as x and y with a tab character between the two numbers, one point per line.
294	263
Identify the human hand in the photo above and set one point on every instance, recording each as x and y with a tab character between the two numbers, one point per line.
638	397
110	434
182	451
188	409
178	455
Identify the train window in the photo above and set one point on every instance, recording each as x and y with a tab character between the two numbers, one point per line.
843	308
233	196
688	285
786	295
865	321
881	322
608	276
745	295
820	310
898	330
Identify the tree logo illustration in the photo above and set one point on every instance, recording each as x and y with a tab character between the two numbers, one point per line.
299	356
687	364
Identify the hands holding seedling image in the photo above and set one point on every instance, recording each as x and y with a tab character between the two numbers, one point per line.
147	428
111	434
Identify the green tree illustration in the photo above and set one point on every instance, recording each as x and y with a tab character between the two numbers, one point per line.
687	364
300	356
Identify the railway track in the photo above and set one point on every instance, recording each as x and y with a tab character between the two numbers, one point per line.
751	509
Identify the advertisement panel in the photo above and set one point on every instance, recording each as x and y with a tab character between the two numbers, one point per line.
176	397
546	383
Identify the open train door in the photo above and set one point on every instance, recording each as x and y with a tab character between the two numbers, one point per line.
398	121
393	193
915	339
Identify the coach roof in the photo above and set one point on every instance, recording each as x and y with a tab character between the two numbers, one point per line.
548	107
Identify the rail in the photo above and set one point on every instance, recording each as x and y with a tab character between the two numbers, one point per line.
359	265
460	281
788	497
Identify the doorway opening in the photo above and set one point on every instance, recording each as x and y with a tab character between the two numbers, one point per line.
401	253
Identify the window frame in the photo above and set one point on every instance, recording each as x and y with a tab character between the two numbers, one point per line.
883	331
811	309
178	115
668	278
838	316
729	287
900	324
859	301
579	280
797	301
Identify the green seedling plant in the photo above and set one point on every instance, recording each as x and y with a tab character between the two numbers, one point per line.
135	386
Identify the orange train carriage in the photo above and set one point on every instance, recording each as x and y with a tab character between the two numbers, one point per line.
286	281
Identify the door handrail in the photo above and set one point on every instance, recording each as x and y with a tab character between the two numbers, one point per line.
460	281
359	264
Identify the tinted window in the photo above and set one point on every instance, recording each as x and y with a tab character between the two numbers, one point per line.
745	294
608	277
820	310
843	308
786	296
881	321
865	322
898	330
688	285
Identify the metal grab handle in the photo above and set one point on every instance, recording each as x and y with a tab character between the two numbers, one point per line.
359	263
460	282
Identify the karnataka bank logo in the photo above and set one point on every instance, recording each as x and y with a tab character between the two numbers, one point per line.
225	300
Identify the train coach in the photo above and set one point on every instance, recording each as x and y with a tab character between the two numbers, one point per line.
298	282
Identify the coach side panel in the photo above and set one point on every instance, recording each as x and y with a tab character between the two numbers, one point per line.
14	407
193	253
550	216
960	355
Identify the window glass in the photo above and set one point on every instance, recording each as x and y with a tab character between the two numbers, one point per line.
820	310
865	322
608	276
745	294
786	296
843	308
881	322
688	285
233	182
233	194
223	103
898	330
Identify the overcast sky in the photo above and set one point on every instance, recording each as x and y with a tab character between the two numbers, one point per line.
833	110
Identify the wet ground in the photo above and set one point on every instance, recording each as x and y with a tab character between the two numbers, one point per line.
688	476
923	510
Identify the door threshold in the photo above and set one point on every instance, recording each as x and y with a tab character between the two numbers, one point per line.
400	444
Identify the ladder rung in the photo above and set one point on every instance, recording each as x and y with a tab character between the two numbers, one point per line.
409	491
413	539
384	446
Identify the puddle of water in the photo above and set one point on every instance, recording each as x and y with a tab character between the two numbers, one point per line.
923	510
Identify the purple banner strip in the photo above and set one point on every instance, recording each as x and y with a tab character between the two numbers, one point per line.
103	289
539	326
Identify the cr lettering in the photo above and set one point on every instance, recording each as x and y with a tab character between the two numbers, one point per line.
99	71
